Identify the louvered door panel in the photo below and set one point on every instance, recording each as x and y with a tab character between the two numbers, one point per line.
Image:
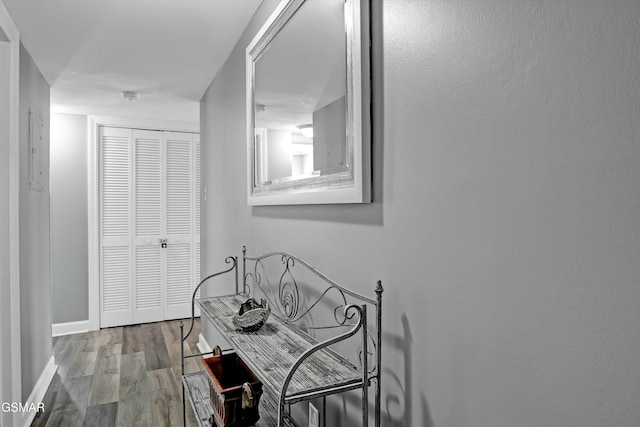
148	185
115	191
115	226
179	184
180	223
148	277
179	281
149	225
148	284
116	279
197	275
197	193
196	235
149	194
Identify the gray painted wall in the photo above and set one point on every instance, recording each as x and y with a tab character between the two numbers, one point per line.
329	135
5	227
69	232
35	267
506	212
278	154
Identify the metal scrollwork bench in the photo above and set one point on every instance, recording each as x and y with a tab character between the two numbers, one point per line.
287	354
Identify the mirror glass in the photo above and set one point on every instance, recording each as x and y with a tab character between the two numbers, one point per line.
300	106
299	95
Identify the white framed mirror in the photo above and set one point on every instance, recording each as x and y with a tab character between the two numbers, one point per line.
308	105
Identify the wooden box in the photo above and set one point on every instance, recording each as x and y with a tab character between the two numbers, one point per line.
229	378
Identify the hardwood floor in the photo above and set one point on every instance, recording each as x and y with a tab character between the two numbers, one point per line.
125	376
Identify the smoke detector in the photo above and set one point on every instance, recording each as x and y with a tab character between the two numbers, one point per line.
130	95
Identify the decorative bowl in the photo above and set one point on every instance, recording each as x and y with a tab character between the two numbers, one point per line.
251	315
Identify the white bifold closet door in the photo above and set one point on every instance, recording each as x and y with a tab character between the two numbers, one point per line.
149	224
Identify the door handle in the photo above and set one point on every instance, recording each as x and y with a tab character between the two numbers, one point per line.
163	243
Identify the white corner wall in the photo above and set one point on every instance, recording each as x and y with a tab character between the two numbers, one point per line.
35	258
69	216
505	216
9	385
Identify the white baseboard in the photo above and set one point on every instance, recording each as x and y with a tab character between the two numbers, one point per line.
203	345
38	392
59	329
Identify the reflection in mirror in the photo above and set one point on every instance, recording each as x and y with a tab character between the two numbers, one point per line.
302	106
299	94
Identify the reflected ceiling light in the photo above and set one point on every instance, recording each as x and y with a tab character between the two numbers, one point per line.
306	130
130	95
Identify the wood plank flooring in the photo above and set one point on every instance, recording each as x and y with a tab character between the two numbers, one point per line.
126	376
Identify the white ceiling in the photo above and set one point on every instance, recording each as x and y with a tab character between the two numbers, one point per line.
169	51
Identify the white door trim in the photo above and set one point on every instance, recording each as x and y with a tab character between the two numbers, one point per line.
93	125
13	328
93	224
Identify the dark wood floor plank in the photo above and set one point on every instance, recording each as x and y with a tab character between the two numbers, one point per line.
192	364
71	402
49	401
103	415
133	407
124	376
76	354
195	334
64	353
82	363
155	348
165	398
106	379
171	331
131	342
104	337
60	345
173	349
